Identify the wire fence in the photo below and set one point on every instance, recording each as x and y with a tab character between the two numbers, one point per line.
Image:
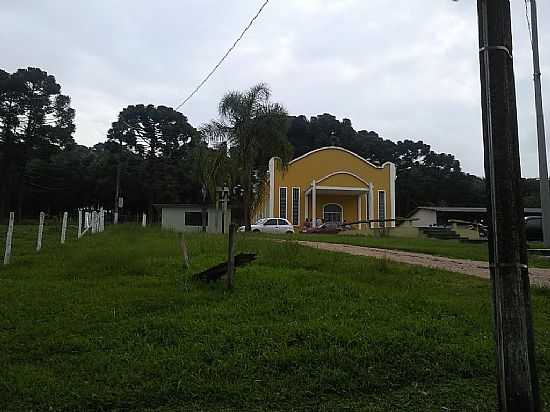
33	236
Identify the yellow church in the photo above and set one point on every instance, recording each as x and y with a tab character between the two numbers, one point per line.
330	184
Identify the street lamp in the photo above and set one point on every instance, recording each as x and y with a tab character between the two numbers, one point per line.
543	165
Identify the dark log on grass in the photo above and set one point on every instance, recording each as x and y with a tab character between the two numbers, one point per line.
216	272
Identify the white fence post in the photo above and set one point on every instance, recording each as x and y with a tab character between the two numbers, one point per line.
115	218
79	224
40	232
101	220
7	255
64	227
94	222
144	220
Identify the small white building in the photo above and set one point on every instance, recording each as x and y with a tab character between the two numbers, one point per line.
188	218
439	216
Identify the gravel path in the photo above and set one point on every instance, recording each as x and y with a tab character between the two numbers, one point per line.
538	277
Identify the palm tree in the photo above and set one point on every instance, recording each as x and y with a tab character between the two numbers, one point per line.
255	130
210	170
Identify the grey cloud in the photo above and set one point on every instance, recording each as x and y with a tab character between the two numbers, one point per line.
407	69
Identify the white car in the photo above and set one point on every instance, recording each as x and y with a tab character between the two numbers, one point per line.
271	225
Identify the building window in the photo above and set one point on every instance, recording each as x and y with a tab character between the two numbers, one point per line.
332	213
295	206
382	207
282	202
194	219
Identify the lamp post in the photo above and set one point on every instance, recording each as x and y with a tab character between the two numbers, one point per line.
543	165
117	184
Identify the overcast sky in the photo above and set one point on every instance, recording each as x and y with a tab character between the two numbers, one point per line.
403	68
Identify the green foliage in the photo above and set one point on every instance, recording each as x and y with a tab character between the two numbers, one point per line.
530	192
211	168
255	130
160	139
152	132
111	323
36	122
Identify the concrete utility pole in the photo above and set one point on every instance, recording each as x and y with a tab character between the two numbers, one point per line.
517	381
117	184
543	165
117	193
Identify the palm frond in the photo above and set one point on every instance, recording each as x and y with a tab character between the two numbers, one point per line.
230	106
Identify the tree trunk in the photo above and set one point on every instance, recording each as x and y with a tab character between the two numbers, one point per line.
5	187
150	211
246	207
247	197
248	224
3	196
204	212
117	185
20	198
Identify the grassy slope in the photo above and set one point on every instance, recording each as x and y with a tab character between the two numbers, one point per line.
111	323
448	248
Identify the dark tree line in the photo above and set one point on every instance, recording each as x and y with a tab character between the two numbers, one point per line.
36	122
161	158
156	154
42	168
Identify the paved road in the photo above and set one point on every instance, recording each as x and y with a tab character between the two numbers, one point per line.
538	277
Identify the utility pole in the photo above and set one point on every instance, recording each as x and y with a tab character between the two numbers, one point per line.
117	185
517	381
117	192
543	165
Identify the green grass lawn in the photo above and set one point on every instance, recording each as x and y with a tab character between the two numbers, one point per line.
111	322
448	248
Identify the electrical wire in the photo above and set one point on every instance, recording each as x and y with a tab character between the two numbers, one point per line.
223	57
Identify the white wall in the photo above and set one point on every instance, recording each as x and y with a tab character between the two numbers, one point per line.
425	217
173	218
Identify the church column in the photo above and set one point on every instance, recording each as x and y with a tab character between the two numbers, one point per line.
306	206
368	216
314	203
371	202
359	211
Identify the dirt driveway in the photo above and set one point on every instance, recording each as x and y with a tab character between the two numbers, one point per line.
538	277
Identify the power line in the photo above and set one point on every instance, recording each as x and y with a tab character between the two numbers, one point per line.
48	189
223	57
